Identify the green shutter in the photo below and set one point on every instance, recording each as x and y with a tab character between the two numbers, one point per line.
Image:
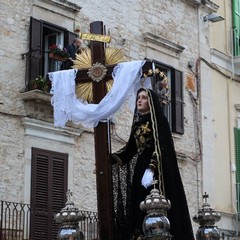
236	26
237	145
237	151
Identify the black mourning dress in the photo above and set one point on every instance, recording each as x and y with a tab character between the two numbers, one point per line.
150	134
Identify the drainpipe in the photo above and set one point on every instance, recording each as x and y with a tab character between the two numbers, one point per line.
198	84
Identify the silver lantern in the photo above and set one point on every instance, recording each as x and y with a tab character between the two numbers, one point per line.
69	218
156	225
206	218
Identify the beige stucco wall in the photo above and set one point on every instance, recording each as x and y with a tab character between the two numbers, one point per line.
220	94
225	97
222	124
221	32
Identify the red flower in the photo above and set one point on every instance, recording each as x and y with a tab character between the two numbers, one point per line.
59	50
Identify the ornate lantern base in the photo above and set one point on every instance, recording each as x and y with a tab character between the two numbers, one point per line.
69	218
206	218
208	233
156	226
70	233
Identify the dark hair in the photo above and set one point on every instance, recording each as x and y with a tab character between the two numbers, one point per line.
140	90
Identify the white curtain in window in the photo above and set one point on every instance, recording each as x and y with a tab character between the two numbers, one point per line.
67	107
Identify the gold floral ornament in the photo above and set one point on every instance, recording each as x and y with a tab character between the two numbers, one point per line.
162	86
83	60
97	72
143	137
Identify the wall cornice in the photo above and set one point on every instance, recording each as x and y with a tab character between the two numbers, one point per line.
165	45
194	2
64	4
221	59
45	130
209	6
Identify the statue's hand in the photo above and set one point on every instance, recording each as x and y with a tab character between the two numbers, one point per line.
147	179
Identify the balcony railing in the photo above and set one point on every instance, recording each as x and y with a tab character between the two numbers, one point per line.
15	222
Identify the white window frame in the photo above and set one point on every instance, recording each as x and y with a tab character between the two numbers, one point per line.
55	65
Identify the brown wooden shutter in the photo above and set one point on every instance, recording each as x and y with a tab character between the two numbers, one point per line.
35	60
69	37
177	102
48	192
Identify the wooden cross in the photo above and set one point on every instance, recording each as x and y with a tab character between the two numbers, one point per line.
205	197
103	167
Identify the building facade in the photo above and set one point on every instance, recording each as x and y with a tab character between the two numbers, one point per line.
220	114
40	162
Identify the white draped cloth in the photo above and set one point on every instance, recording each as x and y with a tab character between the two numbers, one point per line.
67	107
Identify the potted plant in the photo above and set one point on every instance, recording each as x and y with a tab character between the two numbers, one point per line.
40	83
58	52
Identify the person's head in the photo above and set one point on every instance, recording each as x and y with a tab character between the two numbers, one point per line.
77	42
142	102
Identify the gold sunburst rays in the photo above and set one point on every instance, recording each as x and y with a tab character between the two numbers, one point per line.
109	84
84	61
113	56
84	91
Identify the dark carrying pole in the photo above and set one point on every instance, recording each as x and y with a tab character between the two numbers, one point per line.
103	167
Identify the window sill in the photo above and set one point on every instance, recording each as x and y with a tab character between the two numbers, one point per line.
37	96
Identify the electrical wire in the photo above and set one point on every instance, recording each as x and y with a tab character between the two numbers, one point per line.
213	66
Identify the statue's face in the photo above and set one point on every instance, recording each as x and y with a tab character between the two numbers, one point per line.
142	102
